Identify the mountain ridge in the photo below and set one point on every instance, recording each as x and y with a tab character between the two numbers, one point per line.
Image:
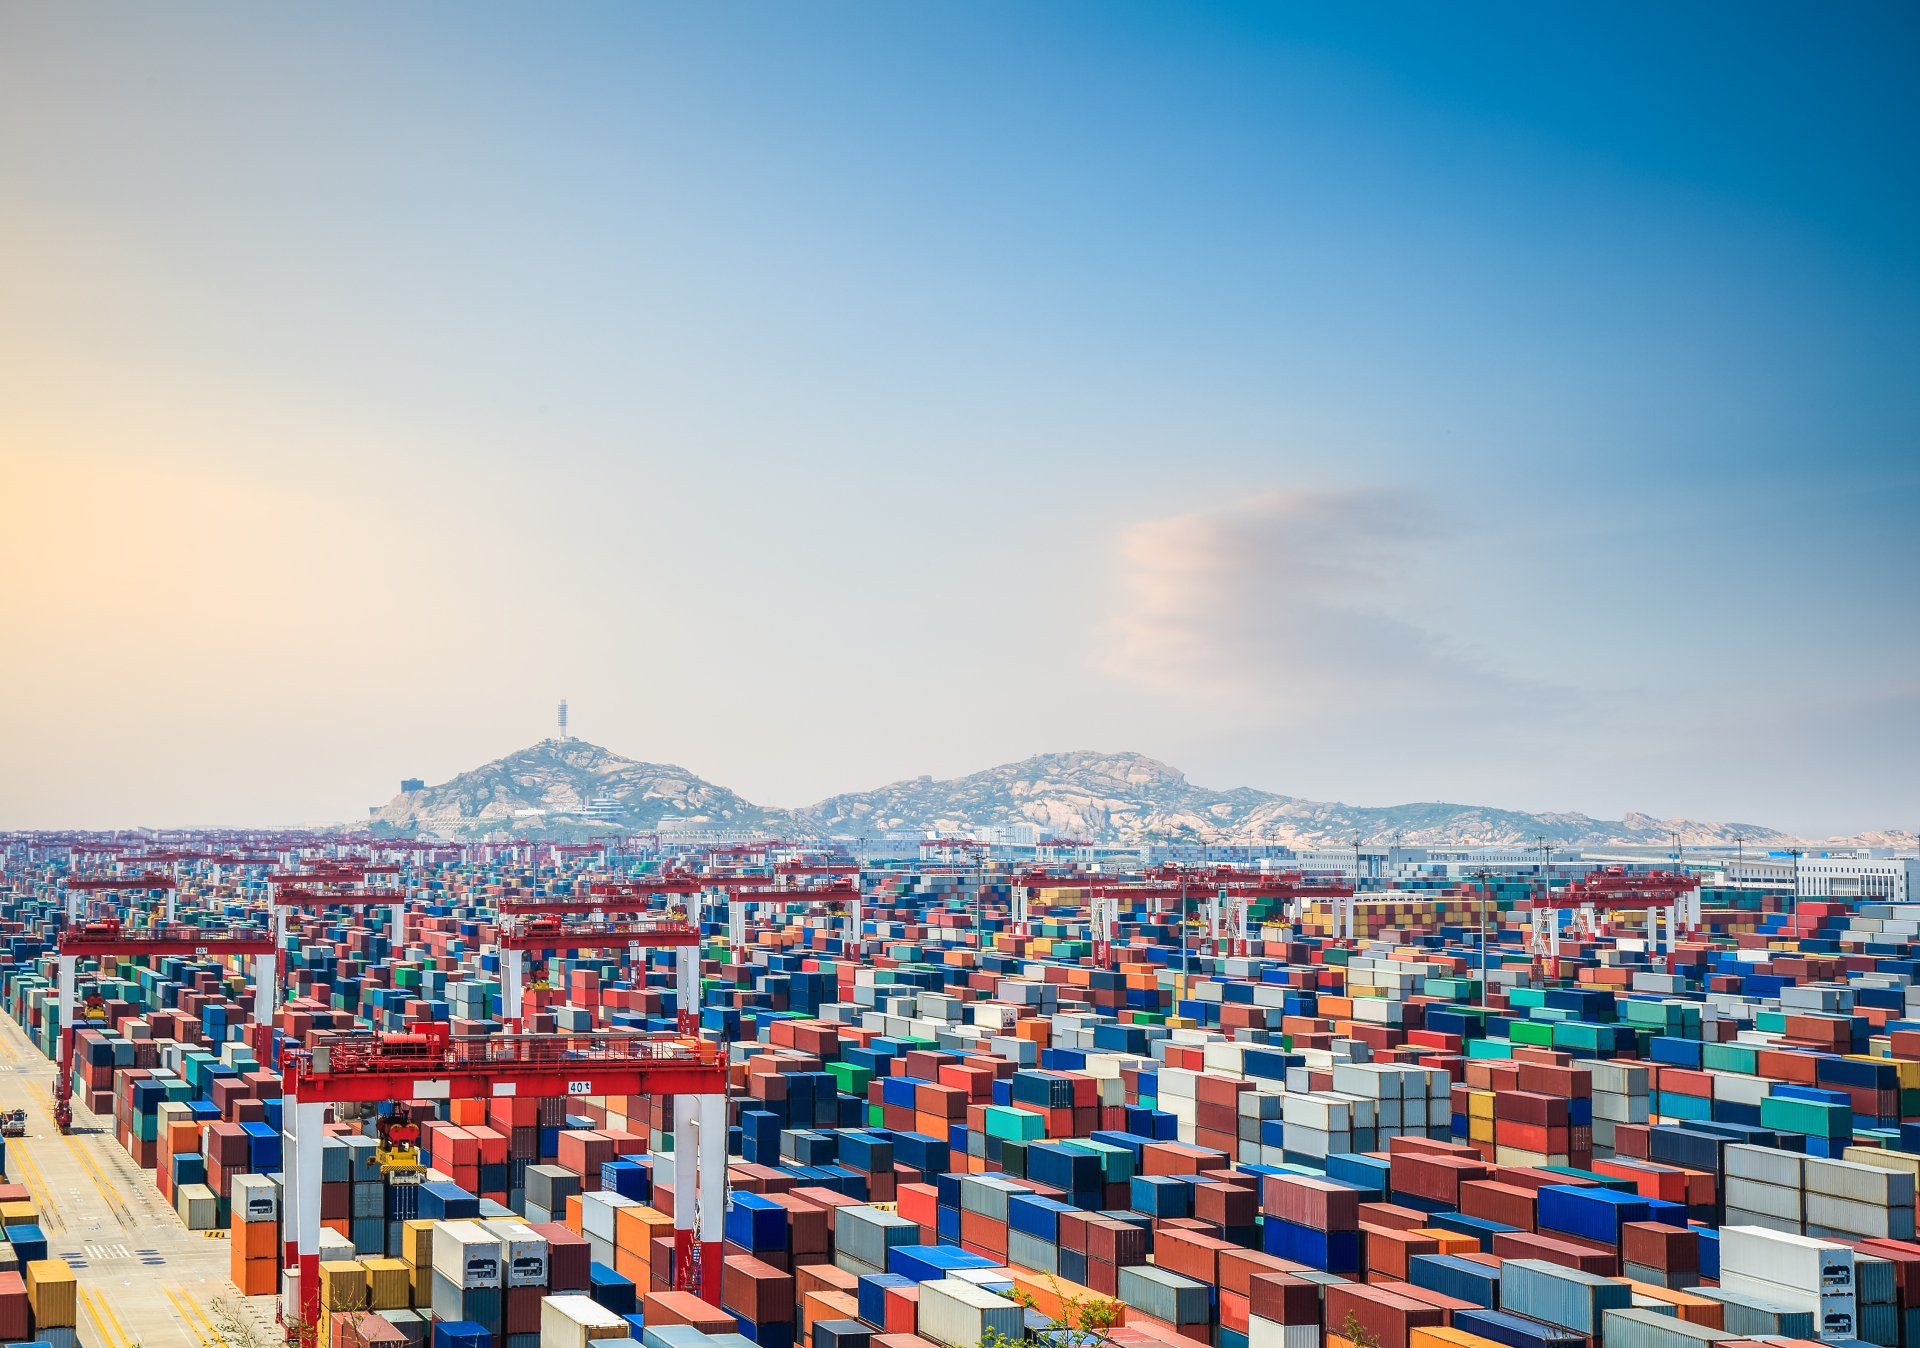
573	788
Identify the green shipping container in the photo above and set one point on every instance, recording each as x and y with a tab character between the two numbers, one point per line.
1538	1033
1809	1117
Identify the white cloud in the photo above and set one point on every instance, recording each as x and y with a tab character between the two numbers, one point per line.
1290	607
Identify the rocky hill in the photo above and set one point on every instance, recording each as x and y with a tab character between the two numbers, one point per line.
566	788
571	788
1130	797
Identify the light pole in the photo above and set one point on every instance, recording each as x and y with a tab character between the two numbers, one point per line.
1186	954
1546	883
1795	854
1483	936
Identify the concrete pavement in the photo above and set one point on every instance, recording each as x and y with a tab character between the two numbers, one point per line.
145	1280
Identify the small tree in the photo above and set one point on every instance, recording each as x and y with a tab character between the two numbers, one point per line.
1358	1334
238	1327
1085	1320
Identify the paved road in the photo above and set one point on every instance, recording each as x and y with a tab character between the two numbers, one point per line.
145	1280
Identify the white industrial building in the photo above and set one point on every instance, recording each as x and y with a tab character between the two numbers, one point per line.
1870	873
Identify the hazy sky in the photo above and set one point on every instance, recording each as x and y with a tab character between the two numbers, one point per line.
1503	403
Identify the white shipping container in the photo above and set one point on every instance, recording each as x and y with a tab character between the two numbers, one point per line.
1314	1142
255	1198
1619	1078
1321	1112
1766	1164
1773	1200
1378	1011
1365	1079
1616	1108
1267	1334
959	1314
596	1212
1848	1219
1883	1160
1813	1266
1835	1313
1225	1059
468	1255
1859	1183
573	1321
526	1250
1738	1089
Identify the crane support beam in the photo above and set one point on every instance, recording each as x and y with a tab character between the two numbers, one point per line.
159	941
353	1066
137	883
369	1067
663	935
307	898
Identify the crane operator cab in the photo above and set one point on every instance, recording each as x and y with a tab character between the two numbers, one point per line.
398	1152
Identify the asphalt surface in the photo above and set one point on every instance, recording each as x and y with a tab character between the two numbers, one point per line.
145	1280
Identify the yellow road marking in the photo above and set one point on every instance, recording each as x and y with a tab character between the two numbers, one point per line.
37	1184
96	1308
211	1335
98	1178
99	1323
180	1309
96	1175
114	1316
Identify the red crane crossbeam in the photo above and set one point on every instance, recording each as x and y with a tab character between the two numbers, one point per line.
108	939
308	898
828	893
1615	889
149	881
540	935
637	903
361	1066
666	884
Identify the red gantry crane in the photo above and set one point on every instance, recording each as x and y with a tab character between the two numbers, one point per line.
1615	890
1021	889
149	882
428	1064
608	899
99	939
748	891
548	933
1232	894
337	887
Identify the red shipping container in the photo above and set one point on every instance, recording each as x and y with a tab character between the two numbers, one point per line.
13	1307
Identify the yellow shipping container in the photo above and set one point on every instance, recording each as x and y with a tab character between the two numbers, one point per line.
343	1285
52	1293
416	1247
389	1284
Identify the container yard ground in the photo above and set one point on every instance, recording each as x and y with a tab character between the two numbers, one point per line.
145	1280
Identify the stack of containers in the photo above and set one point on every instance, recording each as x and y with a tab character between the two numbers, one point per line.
1795	1271
52	1300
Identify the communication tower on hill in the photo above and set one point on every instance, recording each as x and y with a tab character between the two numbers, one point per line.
563	719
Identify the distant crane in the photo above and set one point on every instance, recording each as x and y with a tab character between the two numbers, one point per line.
110	938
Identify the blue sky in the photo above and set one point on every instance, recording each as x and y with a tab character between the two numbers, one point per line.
1375	402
